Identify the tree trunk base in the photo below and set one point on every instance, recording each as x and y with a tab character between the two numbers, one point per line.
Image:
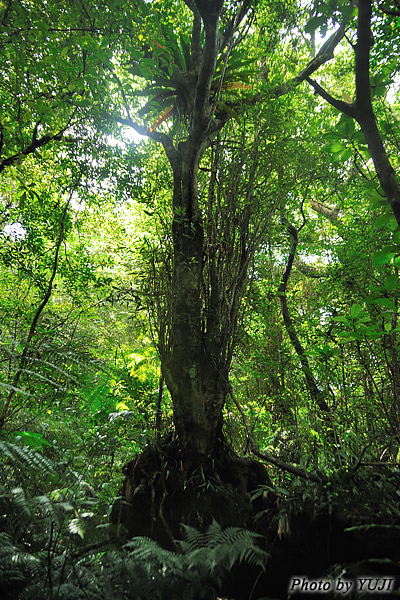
162	491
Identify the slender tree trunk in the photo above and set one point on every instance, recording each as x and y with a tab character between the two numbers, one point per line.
364	113
362	110
316	394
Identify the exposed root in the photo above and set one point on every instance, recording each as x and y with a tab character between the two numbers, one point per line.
161	491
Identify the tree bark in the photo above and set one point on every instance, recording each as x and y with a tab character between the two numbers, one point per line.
362	110
193	370
365	113
315	393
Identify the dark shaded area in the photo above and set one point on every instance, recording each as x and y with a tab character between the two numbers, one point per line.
161	491
321	548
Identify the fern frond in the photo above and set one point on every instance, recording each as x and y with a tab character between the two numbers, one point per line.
46	506
193	538
67	374
45	379
146	550
17	564
23	456
223	547
21	503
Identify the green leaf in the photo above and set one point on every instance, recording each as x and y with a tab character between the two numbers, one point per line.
382	220
315	23
387	303
349	10
365	152
345	155
345	126
372	332
359	138
341	319
66	506
349	336
363	319
336	147
355	310
392	283
32	439
331	136
384	256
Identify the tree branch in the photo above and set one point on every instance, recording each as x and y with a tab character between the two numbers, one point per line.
344	107
157	136
34	145
312	386
232	26
195	46
266	456
325	211
365	114
324	55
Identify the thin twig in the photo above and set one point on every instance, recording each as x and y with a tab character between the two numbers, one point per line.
269	457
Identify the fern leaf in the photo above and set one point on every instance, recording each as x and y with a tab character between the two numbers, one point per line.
25	456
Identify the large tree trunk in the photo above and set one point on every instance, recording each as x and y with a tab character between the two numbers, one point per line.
193	363
194	477
192	366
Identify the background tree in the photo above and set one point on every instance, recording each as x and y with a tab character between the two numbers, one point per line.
365	86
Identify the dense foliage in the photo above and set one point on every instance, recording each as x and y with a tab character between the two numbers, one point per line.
199	241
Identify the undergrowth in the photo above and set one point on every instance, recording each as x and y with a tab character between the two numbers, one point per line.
57	545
